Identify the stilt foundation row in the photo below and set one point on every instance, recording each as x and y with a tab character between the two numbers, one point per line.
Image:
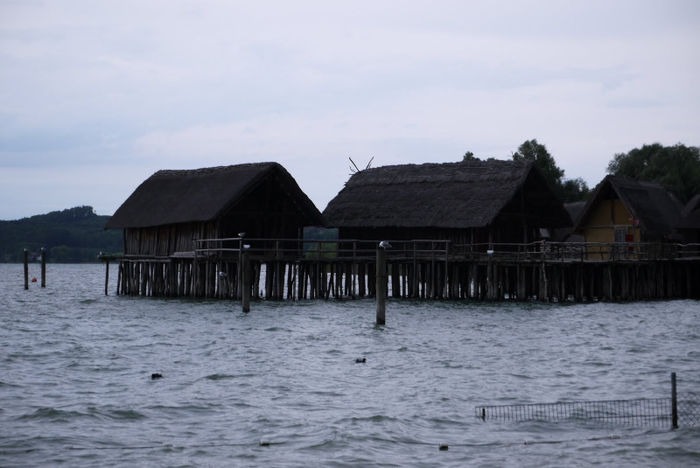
453	280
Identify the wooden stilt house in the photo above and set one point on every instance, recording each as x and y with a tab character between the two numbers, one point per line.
626	210
173	208
467	202
629	219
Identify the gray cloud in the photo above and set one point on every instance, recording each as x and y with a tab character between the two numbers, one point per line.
147	85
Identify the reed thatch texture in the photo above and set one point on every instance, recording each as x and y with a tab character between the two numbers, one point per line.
689	225
200	195
470	194
690	216
656	210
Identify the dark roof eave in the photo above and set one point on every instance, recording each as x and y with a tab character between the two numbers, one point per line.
199	195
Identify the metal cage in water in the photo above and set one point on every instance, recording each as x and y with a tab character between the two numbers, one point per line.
637	412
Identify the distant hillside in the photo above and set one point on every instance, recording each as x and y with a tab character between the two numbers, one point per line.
75	235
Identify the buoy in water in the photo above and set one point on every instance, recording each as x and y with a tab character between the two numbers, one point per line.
444	447
156	375
34	280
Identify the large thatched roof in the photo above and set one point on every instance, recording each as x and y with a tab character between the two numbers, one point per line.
656	210
181	196
450	195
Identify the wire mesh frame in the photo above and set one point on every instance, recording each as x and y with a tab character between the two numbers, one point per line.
638	412
688	413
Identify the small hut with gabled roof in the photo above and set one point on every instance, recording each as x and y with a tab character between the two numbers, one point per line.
466	202
174	207
625	210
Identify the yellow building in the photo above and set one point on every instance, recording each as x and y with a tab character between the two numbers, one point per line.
622	213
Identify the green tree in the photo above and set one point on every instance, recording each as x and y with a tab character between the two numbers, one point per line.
568	190
533	151
469	156
573	190
676	168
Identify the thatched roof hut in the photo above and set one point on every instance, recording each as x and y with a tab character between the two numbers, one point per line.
645	211
471	201
173	207
689	225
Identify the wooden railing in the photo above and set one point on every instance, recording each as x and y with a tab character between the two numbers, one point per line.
578	251
323	249
444	250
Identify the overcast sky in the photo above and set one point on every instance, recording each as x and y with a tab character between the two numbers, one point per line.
96	96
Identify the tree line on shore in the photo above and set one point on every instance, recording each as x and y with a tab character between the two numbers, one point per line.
676	168
74	235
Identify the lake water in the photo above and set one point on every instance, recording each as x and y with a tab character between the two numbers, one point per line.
76	386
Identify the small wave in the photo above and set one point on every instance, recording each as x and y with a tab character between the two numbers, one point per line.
219	377
8	385
377	418
87	301
445	421
55	415
184	409
327	393
125	414
598	364
522	376
450	365
316	337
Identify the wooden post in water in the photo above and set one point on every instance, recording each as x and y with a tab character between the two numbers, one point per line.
26	269
245	281
674	402
106	275
380	282
43	267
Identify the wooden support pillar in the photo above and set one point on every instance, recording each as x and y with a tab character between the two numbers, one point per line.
106	278
239	276
361	284
301	281
120	283
521	281
269	275
26	269
43	267
543	294
491	284
674	402
395	281
255	279
381	286
245	283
